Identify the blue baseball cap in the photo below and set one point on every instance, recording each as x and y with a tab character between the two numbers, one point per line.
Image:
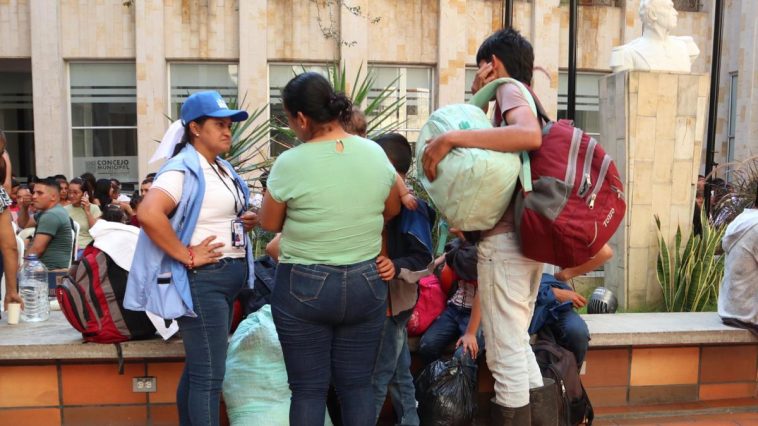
209	104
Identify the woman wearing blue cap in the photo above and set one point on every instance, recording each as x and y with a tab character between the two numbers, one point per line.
193	255
329	197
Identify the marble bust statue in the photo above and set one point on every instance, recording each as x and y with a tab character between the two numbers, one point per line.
656	50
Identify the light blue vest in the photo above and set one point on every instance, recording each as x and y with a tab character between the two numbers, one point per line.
173	299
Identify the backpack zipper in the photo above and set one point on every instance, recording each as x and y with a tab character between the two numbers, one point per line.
600	179
587	180
576	140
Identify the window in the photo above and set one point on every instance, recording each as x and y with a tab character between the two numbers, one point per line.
413	83
104	120
186	79
611	3
587	101
688	5
16	114
732	124
279	76
470	75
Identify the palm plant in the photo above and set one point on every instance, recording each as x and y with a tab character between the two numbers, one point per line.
690	276
250	144
381	111
743	182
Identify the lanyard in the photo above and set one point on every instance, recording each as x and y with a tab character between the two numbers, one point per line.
235	194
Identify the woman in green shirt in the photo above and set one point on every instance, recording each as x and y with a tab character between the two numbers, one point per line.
329	197
81	211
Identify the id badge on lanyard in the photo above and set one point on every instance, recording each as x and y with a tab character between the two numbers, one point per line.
238	234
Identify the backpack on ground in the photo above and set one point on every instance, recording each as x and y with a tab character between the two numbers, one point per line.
91	297
559	364
573	197
473	186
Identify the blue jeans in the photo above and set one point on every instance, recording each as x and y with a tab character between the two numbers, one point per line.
446	330
570	331
213	289
393	371
329	320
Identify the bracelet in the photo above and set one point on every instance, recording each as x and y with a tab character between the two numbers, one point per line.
191	264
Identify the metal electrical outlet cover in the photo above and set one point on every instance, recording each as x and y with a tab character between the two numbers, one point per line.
144	384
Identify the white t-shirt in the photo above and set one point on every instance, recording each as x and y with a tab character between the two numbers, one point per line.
218	208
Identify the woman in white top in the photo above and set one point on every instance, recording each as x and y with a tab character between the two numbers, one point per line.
216	259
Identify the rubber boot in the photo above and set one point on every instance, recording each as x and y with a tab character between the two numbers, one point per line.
544	403
508	416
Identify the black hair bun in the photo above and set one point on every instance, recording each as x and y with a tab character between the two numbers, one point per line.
340	106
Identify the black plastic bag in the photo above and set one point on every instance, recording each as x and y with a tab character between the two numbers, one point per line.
446	394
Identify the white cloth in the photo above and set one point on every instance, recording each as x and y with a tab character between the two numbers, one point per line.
738	297
169	141
508	286
217	211
117	240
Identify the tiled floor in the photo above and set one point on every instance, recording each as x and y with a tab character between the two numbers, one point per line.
735	419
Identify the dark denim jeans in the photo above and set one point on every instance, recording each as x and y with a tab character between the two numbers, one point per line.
393	371
213	289
445	331
570	331
329	320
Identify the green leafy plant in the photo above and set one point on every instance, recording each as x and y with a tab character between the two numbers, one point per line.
690	275
740	192
381	111
250	143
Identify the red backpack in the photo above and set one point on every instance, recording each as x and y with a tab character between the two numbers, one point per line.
431	303
573	202
91	297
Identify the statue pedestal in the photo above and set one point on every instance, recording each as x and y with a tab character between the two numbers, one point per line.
653	125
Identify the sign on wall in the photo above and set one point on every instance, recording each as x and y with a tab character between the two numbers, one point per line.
121	168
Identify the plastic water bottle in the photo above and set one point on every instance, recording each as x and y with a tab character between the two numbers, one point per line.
32	285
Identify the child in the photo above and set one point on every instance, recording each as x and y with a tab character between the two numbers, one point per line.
409	247
461	318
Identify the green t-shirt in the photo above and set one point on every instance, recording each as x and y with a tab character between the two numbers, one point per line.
56	223
334	201
78	216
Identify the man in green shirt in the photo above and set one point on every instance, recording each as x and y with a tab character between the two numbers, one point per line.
53	241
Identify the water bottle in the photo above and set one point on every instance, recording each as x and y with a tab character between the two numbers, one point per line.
32	285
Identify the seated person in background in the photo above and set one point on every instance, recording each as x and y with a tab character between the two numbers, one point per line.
554	311
114	213
81	211
117	195
738	297
145	186
63	182
460	320
25	210
134	204
53	240
15	187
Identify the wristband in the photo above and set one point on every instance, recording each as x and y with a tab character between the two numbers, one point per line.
191	264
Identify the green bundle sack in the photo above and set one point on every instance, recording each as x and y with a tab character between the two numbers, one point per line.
473	186
256	391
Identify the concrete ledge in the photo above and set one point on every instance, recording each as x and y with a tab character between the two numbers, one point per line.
663	329
56	339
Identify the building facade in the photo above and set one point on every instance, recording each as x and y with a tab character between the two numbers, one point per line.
90	85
